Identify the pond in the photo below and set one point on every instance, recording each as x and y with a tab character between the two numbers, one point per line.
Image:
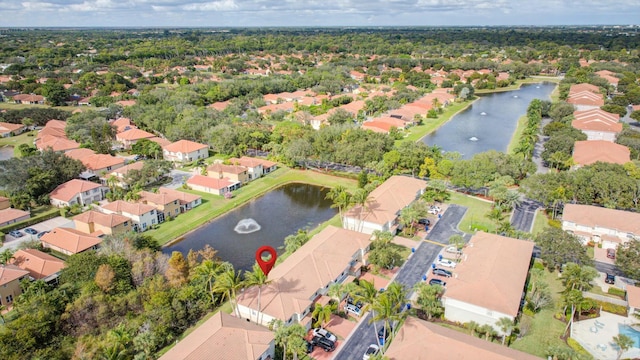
266	220
488	123
6	152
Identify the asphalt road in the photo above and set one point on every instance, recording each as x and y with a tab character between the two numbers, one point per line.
410	274
524	214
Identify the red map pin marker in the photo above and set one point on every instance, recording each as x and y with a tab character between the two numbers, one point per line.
266	265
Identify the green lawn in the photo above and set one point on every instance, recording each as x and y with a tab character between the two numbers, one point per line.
515	139
476	212
214	205
545	330
15	141
10	106
429	125
540	222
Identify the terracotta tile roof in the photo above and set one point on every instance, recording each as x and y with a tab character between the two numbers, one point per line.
184	197
595	216
122	124
421	340
392	121
596	120
71	240
220	105
28	98
120	206
385	202
123	171
39	264
9	273
222	337
586	98
377	126
160	141
313	266
633	296
595	113
101	161
80	154
56	143
11	214
209	182
159	198
8	127
287	106
591	151
71	188
222	168
248	162
53	131
492	273
96	217
353	107
185	146
584	87
134	134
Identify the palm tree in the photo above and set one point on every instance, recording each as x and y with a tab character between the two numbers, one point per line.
408	217
487	330
257	277
367	293
506	326
472	326
335	291
291	338
429	299
383	309
359	198
2	308
623	342
512	199
208	270
322	314
573	299
341	198
6	256
227	284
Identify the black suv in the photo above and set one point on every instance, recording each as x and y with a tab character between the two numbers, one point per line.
426	222
610	279
441	272
326	344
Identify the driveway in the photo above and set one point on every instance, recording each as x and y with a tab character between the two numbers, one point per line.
178	177
447	225
48	225
524	215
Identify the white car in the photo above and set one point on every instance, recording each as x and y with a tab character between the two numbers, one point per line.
433	211
352	309
324	333
446	263
453	250
371	350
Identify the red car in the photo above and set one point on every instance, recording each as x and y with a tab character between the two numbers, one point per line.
611	253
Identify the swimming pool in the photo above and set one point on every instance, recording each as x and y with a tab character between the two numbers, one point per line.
630	332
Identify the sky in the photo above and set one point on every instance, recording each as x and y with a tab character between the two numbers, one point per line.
314	13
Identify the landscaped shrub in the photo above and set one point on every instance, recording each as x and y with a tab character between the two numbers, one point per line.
1	237
577	347
477	227
617	292
555	224
538	265
612	308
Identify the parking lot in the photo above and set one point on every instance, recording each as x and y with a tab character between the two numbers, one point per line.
48	225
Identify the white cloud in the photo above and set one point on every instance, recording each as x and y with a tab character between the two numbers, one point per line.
223	5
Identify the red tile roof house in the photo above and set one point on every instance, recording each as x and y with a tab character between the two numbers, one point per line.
608	227
185	151
40	265
489	282
143	216
8	129
384	204
418	339
97	164
29	99
129	137
255	167
70	241
167	205
109	224
213	186
5	203
11	216
120	175
77	192
10	289
328	257
187	201
597	124
589	152
224	337
633	299
55	143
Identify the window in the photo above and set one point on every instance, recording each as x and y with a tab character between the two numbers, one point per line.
9	299
126	223
152	212
177	211
108	167
153	221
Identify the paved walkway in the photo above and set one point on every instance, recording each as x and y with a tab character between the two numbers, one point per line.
48	225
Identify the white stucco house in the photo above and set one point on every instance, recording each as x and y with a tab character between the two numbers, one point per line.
608	227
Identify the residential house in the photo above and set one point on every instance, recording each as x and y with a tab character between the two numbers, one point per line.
597	124
256	167
421	340
608	227
160	141
96	164
30	99
143	216
210	185
70	241
109	224
585	96
234	173
224	337
5	203
10	216
119	175
40	265
610	76
167	205
489	282
185	151
131	136
589	152
187	201
8	129
10	277
55	143
77	191
122	124
633	299
53	127
383	206
329	257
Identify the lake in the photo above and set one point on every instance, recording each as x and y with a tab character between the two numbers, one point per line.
6	152
488	123
277	214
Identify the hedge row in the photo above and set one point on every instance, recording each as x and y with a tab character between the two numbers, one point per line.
612	308
617	292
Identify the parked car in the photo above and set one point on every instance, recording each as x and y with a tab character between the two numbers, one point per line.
16	233
324	333
324	343
610	279
371	350
310	347
425	222
453	250
611	253
352	309
42	234
433	211
441	272
446	263
437	282
30	231
350	301
384	333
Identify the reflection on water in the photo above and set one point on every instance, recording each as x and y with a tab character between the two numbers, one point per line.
489	123
279	213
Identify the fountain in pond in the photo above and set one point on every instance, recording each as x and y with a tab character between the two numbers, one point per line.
247	226
483	113
473	138
515	96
